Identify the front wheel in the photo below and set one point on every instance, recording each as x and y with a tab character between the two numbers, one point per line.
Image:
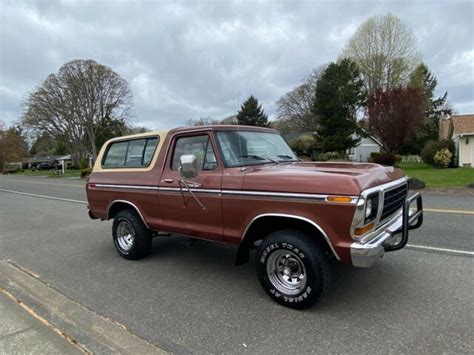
293	268
131	237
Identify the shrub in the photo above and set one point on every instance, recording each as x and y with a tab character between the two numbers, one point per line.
442	158
85	172
385	159
432	147
329	156
304	144
374	155
83	164
428	152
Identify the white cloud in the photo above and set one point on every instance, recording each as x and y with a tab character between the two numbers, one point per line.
194	59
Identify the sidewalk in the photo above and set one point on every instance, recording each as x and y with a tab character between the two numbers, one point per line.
32	327
21	332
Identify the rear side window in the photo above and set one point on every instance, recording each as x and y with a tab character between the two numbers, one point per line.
133	153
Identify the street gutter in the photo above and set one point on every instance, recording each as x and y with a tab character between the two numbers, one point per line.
89	331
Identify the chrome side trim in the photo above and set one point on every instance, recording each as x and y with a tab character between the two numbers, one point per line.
199	190
317	197
135	187
131	204
314	224
274	194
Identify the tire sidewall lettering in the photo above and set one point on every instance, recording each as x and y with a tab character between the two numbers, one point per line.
304	294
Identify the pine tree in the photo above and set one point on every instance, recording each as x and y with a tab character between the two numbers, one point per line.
339	94
252	114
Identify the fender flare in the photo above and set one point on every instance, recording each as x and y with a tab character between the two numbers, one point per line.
242	253
129	203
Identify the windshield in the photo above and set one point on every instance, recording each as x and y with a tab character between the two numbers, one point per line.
241	148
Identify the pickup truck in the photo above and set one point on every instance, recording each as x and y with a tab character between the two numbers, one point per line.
245	186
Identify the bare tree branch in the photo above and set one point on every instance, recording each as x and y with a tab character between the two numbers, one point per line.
384	48
73	104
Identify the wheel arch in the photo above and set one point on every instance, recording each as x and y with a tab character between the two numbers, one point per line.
119	205
264	224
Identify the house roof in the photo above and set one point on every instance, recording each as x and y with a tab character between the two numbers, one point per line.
463	124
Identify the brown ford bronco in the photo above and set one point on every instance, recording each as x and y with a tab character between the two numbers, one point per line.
245	186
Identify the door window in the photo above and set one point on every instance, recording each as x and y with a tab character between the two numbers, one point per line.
200	146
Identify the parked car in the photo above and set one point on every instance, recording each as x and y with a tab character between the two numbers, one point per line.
244	186
44	166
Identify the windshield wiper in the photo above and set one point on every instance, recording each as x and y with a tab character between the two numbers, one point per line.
289	157
258	157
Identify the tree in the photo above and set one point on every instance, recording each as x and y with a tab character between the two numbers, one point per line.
229	120
339	94
294	111
13	146
137	130
77	103
384	49
395	115
252	114
202	121
43	144
108	128
434	108
304	144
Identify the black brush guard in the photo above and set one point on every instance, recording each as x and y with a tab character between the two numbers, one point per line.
409	222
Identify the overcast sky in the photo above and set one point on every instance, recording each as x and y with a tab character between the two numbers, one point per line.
203	58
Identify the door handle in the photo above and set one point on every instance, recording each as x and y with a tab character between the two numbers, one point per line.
169	181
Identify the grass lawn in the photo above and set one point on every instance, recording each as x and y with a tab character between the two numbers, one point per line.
50	173
457	177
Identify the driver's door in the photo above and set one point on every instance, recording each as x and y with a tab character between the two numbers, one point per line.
179	210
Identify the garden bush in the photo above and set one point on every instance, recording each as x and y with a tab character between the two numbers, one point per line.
442	158
83	164
85	172
432	147
304	144
385	159
329	156
374	155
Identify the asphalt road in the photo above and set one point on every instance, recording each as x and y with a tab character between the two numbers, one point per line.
188	297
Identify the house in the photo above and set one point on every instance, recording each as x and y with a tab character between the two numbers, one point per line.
460	128
362	151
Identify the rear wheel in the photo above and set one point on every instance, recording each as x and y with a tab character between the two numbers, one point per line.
132	238
293	268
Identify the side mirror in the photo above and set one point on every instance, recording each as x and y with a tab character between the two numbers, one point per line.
188	166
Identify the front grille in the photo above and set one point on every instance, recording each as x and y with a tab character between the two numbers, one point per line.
393	200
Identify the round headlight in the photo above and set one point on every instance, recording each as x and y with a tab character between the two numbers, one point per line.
368	208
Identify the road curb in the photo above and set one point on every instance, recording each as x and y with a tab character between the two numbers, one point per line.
90	332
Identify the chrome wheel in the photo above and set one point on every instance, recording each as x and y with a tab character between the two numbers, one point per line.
125	235
286	272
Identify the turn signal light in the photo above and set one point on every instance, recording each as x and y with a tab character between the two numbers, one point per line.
340	199
364	229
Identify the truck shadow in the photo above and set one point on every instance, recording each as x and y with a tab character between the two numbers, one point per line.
198	259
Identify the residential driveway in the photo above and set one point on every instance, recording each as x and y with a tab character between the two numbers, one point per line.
188	297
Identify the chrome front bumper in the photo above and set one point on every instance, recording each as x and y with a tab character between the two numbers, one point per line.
366	253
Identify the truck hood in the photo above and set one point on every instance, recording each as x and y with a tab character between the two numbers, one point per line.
319	178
